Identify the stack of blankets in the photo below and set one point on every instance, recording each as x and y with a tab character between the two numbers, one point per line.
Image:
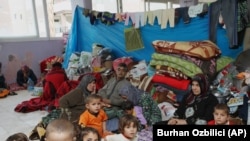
175	63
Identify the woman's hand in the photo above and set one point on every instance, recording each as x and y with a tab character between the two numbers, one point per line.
181	122
25	85
94	90
173	121
105	104
105	100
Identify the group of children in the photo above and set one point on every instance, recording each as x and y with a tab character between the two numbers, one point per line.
95	117
64	130
93	126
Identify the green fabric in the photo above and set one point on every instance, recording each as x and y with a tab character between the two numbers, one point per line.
150	109
186	67
54	114
133	40
222	62
113	112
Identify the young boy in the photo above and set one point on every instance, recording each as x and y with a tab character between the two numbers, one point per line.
94	116
221	115
60	130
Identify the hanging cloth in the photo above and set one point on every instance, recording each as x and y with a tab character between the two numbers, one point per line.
133	40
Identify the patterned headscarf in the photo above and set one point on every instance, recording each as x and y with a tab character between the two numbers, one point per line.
87	79
203	82
131	92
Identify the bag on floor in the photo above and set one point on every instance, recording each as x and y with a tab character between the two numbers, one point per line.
3	92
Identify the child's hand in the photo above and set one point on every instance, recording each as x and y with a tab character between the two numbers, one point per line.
82	126
106	132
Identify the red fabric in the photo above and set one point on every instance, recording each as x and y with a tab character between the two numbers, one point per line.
175	83
15	87
32	105
52	82
126	60
212	122
43	64
64	89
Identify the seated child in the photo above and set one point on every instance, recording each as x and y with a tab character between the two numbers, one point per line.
90	134
18	137
60	130
128	127
129	108
94	116
221	115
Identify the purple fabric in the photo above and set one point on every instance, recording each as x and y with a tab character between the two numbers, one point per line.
145	135
132	93
139	115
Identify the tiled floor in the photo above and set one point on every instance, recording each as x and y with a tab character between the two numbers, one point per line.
12	122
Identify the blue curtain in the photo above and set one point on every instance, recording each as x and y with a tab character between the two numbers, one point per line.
83	35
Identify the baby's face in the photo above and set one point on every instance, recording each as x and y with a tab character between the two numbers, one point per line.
90	137
59	137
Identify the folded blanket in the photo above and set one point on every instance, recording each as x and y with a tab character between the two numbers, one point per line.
178	84
188	68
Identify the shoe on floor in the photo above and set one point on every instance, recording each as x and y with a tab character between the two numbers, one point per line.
12	93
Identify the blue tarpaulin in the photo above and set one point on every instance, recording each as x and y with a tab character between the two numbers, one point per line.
83	35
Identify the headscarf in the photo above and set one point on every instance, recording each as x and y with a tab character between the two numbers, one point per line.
131	92
203	82
25	68
87	79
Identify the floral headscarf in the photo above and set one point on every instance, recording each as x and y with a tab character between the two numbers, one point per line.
132	93
87	79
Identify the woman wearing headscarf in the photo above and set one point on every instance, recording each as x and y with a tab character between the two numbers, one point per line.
150	109
23	76
71	105
197	106
74	101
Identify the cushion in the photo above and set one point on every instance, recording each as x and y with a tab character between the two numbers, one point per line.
201	49
145	84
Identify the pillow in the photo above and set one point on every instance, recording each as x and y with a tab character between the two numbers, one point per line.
201	49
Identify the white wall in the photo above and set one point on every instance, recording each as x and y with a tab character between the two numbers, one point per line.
27	52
